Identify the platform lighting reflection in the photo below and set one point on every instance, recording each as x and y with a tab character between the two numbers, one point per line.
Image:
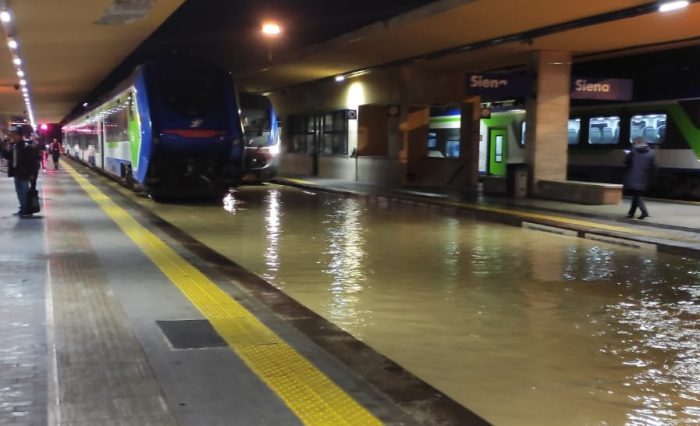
273	231
346	252
231	204
673	5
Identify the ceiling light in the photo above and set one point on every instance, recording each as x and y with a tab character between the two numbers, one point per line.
23	82
20	73
672	5
339	78
17	61
12	44
5	16
271	29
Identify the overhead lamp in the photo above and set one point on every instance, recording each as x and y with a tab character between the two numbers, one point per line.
12	43
23	82
17	61
20	73
673	5
5	16
271	29
339	78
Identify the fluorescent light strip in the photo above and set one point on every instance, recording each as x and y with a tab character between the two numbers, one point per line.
673	5
13	44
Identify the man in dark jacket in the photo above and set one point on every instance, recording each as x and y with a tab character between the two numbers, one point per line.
639	163
23	165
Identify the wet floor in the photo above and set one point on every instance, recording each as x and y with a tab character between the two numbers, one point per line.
522	327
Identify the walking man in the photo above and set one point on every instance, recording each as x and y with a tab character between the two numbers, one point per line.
55	152
639	164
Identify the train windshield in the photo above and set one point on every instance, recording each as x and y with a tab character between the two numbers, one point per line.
256	116
191	93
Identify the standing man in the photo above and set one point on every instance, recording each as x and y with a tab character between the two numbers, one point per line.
639	164
23	165
55	152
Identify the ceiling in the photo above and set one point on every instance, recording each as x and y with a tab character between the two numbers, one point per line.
66	55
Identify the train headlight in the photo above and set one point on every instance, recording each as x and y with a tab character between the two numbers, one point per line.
274	150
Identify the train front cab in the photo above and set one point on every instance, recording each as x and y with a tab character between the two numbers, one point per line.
262	137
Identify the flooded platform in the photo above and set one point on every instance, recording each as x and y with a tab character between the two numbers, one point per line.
393	296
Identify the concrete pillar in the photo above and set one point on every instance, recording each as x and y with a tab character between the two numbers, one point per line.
469	135
547	117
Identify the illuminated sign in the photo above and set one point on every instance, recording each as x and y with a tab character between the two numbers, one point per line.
498	86
612	89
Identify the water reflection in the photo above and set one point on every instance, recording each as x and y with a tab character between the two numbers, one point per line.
662	356
343	258
231	203
273	230
523	327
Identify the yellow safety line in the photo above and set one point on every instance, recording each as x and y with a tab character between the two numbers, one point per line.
541	216
311	395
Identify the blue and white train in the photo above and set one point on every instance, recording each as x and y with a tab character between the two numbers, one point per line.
172	128
262	136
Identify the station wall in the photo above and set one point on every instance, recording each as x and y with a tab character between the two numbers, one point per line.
386	140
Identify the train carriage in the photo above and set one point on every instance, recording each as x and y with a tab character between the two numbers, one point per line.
172	128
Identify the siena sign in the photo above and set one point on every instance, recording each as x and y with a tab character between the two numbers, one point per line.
494	87
498	86
612	89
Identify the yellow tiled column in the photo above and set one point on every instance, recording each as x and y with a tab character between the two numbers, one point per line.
548	113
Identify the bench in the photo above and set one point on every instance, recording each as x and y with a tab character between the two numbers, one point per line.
594	193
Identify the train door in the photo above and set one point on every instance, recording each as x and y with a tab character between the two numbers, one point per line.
498	143
483	154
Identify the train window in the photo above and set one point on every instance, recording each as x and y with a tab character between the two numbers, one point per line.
444	132
452	148
604	130
116	124
432	140
499	149
574	130
651	127
256	126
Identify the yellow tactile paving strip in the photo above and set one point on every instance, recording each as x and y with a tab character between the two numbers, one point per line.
549	218
312	396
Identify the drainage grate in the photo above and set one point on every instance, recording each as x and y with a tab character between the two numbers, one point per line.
191	334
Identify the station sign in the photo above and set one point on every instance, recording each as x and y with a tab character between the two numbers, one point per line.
610	89
498	86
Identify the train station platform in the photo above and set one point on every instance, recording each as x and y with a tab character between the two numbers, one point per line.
673	226
107	317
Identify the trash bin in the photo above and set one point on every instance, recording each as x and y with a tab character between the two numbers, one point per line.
516	175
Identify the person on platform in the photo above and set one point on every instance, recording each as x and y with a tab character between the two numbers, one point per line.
640	164
23	166
55	152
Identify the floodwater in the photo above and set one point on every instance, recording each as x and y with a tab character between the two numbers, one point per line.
522	327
